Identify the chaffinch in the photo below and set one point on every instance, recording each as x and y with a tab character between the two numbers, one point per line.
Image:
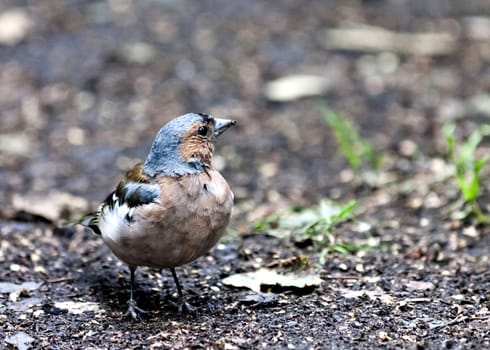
171	209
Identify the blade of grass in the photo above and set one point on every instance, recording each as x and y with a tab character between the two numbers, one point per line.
354	148
344	135
467	166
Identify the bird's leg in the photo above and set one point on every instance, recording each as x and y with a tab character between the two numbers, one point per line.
133	309
182	305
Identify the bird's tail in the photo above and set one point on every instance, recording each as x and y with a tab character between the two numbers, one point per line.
90	220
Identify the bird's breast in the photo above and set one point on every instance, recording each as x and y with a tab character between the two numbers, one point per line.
191	216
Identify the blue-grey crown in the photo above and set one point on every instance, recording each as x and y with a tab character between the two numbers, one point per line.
164	157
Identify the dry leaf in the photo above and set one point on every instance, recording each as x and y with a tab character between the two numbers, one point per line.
266	277
7	287
21	341
76	308
294	87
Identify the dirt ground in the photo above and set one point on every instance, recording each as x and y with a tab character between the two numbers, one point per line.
84	87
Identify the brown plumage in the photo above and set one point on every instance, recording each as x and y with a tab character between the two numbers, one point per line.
189	218
197	146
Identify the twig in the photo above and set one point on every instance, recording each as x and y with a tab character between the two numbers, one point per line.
417	300
59	280
376	39
460	319
332	277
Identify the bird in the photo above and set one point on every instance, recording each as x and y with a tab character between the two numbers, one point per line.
170	209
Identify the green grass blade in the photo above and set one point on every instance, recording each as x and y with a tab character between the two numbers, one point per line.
344	135
467	166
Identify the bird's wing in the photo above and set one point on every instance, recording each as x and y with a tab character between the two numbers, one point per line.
134	190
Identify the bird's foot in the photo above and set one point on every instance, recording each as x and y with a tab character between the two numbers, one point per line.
212	308
134	311
183	307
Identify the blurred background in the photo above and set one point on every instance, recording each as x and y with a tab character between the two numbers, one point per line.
85	86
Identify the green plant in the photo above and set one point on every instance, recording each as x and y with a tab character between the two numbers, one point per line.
468	166
358	152
315	223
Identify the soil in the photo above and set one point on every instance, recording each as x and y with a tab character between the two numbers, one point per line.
84	86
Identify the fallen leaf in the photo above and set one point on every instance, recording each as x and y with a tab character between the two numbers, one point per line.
294	87
24	304
419	285
21	340
266	277
51	206
76	308
259	299
7	287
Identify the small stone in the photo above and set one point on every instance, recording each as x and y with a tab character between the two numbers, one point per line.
424	222
75	136
364	227
15	267
359	268
471	231
343	267
16	144
139	53
407	148
383	335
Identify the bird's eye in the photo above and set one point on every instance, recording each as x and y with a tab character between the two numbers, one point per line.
203	130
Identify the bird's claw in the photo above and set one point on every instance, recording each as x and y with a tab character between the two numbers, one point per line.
134	311
183	307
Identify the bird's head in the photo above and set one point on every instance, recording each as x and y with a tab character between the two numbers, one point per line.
185	145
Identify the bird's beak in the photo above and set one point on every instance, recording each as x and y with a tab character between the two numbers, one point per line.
220	125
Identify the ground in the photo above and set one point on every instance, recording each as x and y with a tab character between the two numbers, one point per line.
84	86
